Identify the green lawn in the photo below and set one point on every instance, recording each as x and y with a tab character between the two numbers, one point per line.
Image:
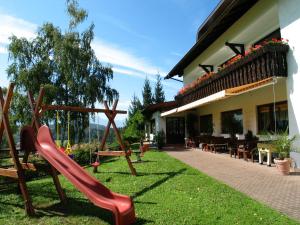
165	192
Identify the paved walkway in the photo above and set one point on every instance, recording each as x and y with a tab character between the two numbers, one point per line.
258	181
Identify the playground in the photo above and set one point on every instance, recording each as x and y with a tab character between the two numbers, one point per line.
160	190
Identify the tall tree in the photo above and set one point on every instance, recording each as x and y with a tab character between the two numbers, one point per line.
159	94
147	93
65	64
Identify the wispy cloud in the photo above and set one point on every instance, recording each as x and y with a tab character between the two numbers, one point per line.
117	56
124	27
176	54
10	25
124	61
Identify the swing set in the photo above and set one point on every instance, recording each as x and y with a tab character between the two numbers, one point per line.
38	138
110	114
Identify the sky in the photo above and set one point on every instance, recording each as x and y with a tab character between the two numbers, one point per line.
137	38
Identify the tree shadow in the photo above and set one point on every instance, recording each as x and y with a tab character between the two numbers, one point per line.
158	183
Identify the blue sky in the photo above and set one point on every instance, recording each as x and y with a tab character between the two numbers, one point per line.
138	38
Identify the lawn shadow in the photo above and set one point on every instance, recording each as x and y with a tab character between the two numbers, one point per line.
79	207
73	207
158	183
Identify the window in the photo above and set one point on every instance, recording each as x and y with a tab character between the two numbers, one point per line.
266	118
232	122
206	124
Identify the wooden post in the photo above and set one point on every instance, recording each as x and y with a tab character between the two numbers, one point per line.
111	116
35	108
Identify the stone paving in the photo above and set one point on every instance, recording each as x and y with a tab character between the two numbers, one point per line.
260	182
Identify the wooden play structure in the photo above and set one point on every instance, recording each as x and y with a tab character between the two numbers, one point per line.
17	170
38	108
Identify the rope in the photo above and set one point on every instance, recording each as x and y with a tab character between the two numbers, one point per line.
68	148
57	131
274	105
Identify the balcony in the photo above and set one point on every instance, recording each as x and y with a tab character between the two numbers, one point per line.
266	62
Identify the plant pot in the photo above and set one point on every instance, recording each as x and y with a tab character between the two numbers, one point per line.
283	166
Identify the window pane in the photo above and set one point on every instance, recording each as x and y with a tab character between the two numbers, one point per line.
206	124
232	122
266	118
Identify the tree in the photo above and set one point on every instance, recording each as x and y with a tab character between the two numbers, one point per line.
147	93
65	64
134	130
135	105
159	94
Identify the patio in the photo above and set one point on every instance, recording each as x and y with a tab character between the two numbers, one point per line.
257	181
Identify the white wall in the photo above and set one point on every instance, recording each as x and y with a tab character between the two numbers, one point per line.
248	102
160	124
289	19
259	21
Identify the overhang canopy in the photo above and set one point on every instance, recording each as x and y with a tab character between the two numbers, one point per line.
221	95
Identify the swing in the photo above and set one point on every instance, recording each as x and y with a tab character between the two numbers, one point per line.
68	149
95	164
58	138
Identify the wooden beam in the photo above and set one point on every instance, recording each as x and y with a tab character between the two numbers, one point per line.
110	153
207	68
238	49
79	109
10	172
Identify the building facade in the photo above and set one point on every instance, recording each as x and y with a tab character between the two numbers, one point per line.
242	73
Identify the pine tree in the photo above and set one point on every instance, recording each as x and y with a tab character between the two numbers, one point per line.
159	94
135	105
147	93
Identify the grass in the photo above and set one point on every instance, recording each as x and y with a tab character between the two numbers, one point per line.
165	192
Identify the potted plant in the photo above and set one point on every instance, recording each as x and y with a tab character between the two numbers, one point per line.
282	146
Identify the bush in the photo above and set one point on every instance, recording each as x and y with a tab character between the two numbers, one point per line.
159	139
82	153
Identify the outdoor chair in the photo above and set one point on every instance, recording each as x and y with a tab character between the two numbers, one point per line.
233	146
191	143
218	144
247	150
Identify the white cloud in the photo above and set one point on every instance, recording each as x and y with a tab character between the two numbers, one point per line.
10	25
124	61
116	56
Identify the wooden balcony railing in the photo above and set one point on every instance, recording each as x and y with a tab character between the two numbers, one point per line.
268	61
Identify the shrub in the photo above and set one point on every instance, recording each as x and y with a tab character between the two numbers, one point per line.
159	139
82	152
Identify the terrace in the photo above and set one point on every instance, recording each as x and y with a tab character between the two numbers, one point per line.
266	62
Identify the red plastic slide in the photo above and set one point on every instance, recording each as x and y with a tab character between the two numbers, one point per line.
121	205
